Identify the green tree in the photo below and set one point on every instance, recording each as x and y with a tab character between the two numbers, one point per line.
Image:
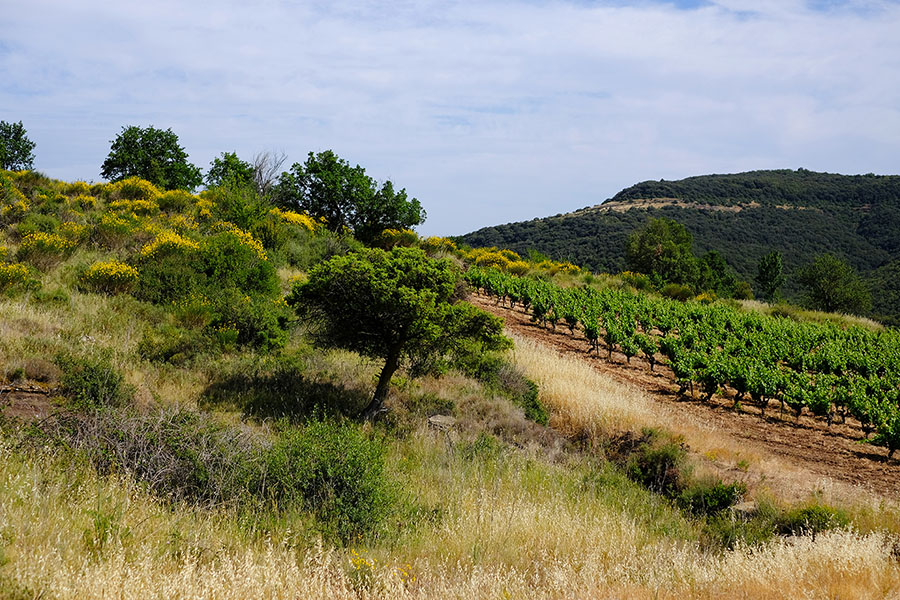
152	154
832	285
398	305
662	249
770	276
228	168
715	275
15	147
327	186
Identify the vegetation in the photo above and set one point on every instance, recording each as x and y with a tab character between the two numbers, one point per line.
151	154
170	428
16	150
392	305
801	214
327	187
833	286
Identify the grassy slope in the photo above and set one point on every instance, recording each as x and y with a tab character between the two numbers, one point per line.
503	508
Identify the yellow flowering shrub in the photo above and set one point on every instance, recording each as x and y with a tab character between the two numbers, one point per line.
295	218
391	238
436	244
205	206
168	242
133	188
492	259
194	310
4	252
518	267
181	223
111	277
74	232
83	202
16	277
44	250
176	201
138	207
114	230
78	188
244	237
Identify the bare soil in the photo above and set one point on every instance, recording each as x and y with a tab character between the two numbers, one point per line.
807	445
25	402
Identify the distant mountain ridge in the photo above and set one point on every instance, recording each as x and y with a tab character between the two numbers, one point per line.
744	216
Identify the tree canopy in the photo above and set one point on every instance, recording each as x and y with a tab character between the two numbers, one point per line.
328	186
770	276
662	248
15	147
228	168
832	285
398	305
152	154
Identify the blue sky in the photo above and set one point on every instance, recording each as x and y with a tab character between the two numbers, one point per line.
488	111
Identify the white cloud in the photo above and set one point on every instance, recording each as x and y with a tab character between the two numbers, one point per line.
488	112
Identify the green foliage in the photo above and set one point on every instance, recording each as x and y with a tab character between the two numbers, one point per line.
811	520
17	278
16	150
833	286
715	275
230	262
334	471
229	169
770	276
92	381
662	249
327	186
710	497
800	214
658	463
392	305
152	154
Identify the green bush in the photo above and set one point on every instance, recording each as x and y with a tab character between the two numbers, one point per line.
173	344
230	261
658	463
17	277
676	291
710	497
259	321
811	519
170	275
91	381
175	201
335	472
36	222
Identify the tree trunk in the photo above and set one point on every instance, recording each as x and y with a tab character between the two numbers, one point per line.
384	382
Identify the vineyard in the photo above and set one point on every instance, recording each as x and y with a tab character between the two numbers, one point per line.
820	370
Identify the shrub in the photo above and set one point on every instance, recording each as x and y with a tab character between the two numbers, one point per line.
36	223
17	277
138	207
112	231
133	188
234	258
658	464
710	497
171	267
176	201
92	381
335	472
294	218
811	519
390	238
110	277
77	188
434	245
676	291
74	232
258	320
45	250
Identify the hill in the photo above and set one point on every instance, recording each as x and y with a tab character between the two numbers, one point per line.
744	216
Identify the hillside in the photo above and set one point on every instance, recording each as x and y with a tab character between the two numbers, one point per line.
175	422
743	216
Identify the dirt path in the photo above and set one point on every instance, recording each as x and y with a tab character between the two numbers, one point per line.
807	445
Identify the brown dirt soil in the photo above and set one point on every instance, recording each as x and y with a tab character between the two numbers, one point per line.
811	450
25	402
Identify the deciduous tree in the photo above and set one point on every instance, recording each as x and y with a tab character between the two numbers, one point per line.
832	285
15	147
152	154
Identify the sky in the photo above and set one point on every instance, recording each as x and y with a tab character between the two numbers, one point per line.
487	111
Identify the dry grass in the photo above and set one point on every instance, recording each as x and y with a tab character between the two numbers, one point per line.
581	401
512	532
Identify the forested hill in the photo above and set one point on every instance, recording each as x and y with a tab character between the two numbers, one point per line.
744	216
